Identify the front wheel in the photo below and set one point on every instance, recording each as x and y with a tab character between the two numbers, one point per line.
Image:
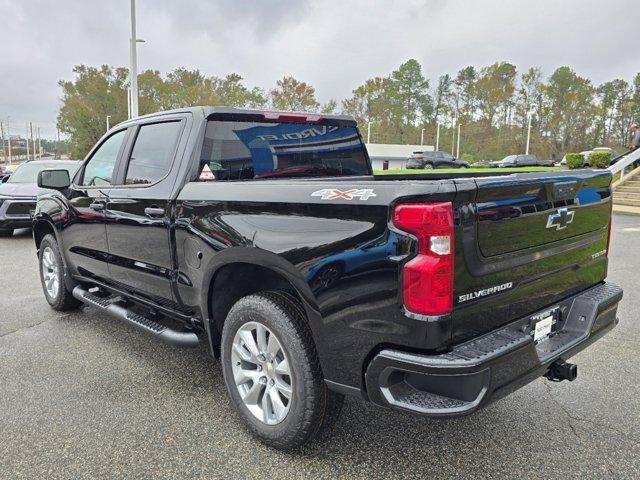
428	166
52	276
272	372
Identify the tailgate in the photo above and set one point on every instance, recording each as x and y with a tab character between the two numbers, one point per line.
526	241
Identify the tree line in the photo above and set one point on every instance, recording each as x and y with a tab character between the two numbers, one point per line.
491	105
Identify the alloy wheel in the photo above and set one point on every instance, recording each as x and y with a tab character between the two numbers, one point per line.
50	272
262	373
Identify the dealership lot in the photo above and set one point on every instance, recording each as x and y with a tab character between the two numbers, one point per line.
84	396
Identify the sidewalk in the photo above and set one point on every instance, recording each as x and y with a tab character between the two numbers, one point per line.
626	209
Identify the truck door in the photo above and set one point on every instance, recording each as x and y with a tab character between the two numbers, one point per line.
138	214
84	235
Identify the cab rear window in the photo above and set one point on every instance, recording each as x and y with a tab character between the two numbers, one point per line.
237	150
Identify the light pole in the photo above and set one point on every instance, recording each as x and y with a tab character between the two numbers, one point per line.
133	70
453	136
437	137
422	137
458	146
368	132
530	115
108	117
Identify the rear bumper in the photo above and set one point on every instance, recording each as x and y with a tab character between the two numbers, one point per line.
489	367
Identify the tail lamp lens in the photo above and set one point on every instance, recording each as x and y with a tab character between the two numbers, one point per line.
428	277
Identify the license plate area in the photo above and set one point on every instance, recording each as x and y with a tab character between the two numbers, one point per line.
544	325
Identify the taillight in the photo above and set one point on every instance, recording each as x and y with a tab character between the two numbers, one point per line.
428	277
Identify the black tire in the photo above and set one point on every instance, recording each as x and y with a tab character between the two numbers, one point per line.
314	408
63	300
6	232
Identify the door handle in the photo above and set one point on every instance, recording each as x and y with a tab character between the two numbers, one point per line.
154	212
97	206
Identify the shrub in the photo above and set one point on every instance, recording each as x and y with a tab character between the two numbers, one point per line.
575	160
600	159
467	157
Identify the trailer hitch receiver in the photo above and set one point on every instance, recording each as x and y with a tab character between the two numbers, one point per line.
561	370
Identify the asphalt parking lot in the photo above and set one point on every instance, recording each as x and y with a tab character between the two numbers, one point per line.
84	396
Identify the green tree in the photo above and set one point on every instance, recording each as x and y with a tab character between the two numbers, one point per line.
369	102
329	107
86	102
442	96
494	90
569	100
465	86
291	94
610	95
409	90
232	93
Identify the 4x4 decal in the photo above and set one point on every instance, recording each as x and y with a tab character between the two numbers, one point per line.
334	194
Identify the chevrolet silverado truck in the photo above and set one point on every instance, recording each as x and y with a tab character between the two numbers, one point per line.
267	237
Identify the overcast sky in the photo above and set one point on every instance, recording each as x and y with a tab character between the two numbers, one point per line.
334	45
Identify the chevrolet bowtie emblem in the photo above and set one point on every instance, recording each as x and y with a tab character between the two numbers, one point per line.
560	219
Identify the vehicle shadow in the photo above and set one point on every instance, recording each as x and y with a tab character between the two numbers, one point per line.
366	437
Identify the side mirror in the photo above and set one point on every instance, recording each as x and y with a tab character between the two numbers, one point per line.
5	179
54	179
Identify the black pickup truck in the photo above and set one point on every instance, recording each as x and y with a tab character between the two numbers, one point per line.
267	236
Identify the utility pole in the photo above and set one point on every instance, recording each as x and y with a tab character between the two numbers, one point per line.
458	147
528	134
33	144
9	143
4	152
368	132
39	144
422	137
437	137
133	71
27	142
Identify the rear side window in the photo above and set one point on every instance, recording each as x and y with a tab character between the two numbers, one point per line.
253	150
152	153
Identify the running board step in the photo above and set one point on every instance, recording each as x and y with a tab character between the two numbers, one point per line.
165	334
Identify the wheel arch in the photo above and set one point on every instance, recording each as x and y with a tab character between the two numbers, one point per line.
238	272
41	228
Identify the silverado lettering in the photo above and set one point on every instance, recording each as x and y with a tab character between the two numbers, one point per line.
484	292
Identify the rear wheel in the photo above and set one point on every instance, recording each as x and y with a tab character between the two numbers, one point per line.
272	372
6	232
52	276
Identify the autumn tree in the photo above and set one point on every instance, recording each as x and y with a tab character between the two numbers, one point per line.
86	102
293	95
